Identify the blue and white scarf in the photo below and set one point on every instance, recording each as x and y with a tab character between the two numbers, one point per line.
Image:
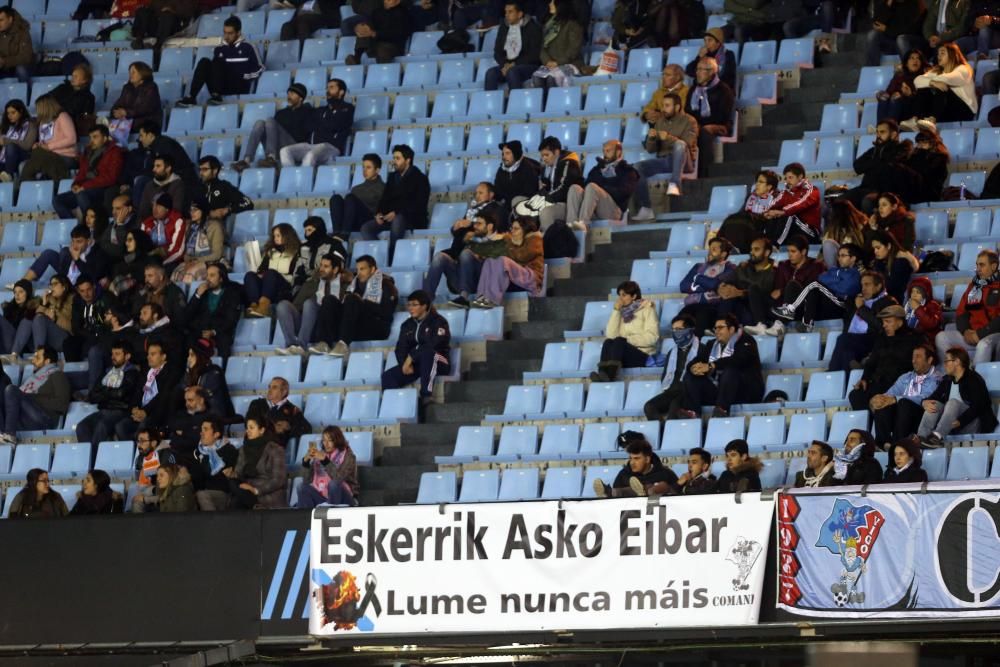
113	378
373	288
718	352
699	98
215	462
841	462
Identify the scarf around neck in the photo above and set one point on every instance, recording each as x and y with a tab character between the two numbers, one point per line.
373	288
512	45
215	462
35	382
628	312
815	479
975	295
699	98
718	352
841	462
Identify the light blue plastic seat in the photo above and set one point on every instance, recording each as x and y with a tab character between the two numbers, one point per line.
295	180
76	413
721	430
604	399
959	141
486	104
562	399
18	236
606	474
759	88
564	101
686	239
972	222
184	120
968	251
991	373
562	483
58	34
220	118
972	180
524	101
251	225
487	324
599	437
766	430
638	93
795	466
560	440
473	442
479	486
425	43
420	74
360	406
645	61
529	134
516	441
935	463
835	153
639	392
484	138
244	372
600	131
27	457
726	199
685	433
791	384
332	178
826	386
380	77
224	148
411	253
370	141
398	405
275	19
323	49
968	463
258	181
773	473
603	98
323	370
70	460
522	400
437	487
568	132
874	79
931	224
254	111
802	151
34	196
844	422
800	348
756	54
378	249
987	142
519	484
115	457
364	368
650	274
458	73
679	267
449	105
288	367
445	174
409	108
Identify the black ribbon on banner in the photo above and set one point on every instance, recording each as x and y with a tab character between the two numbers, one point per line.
370	597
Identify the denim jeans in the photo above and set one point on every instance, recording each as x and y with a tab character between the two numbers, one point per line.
463	274
397	230
982	352
675	165
822	21
20	412
515	77
271	285
271	134
46	332
940	422
987	38
65	203
297	327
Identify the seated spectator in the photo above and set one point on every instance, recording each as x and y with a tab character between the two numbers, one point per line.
517	178
755	277
631	336
790	277
153	407
140	161
204	373
403	206
897	265
326	134
857	464
668	404
164	182
214	466
384	37
844	226
95	218
895	23
222	197
712	103
891	356
562	46
53	320
81	257
297	316
517	50
896	101
281	269
460	264
214	310
157	21
946	93
894	218
37	500
423	348
260	478
120	328
89	323
157	289
167	229
826	297
819	469
349	212
290	126
796	209
364	313
817	15
284	416
144	492
521	263
607	190
714	47
17	55
960	404
742	471
331	472
700	285
205	245
21	308
100	164
139	100
745	226
671	81
881	167
41	400
55	152
905	466
674	140
640	24
232	69
926	169
175	492
155	326
18	133
896	413
977	323
725	372
861	325
644	474
923	311
322	15
698	480
561	170
984	37
96	496
944	22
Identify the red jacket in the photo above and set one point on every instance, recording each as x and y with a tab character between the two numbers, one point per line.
176	233
805	274
802	201
984	316
108	167
928	315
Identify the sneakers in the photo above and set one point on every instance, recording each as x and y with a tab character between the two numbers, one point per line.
808	326
340	349
932	441
5	177
755	329
186	102
459	302
909	125
777	329
784	311
673	190
929	124
7	438
240	165
601	490
215	101
291	350
578	225
268	161
482	302
637	486
319	348
644	213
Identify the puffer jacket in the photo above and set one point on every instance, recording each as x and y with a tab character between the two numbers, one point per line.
642	332
179	496
15	44
928	316
271	476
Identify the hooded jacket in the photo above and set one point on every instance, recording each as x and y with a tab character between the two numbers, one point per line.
223	194
15	44
643	331
744	477
521	181
621	186
557	181
982	317
928	316
872	163
175	231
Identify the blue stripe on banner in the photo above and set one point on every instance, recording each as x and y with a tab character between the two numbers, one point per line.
305	605
296	585
279	573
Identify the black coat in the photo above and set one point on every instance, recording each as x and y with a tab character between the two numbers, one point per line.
864	471
223	194
332	124
531	44
298	122
566	174
745	362
433	331
746	477
123	397
972	389
159	409
522	182
658	473
721	101
201	470
912	474
621	186
184	432
407	194
199	317
869	315
890	358
259	411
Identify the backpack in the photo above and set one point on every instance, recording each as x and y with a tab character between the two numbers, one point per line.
455	41
560	241
740	230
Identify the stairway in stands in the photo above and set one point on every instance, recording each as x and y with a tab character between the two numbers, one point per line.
483	389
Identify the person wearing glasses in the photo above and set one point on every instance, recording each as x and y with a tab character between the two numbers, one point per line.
37	500
222	197
726	372
711	102
961	403
826	297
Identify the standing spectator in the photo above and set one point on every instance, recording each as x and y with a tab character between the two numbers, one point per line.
894	218
923	311
423	349
517	177
99	167
275	409
331	472
167	228
700	285
946	93
234	67
55	153
631	336
18	133
521	264
819	469
905	467
140	98
460	264
214	462
281	269
674	140
53	320
290	125
174	489
96	496
960	404
21	308
153	408
157	21
204	245
698	480
714	46
41	400
790	278
297	316
825	298
327	133
712	103
726	372
384	36
642	475
893	262
607	190
164	181
403	205
896	101
891	356
844	226
260	475
895	23
37	500
562	45
671	82
857	464
222	197
561	170
668	403
349	212
214	310
17	55
742	471
796	210
81	256
364	313
517	50
896	413
977	323
746	292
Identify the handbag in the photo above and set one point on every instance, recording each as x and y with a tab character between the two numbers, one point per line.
120	128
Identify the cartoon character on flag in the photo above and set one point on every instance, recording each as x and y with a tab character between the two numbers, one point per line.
850	533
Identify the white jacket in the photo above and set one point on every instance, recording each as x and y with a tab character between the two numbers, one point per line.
642	332
961	81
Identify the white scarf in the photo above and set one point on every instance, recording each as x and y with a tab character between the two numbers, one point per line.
721	353
512	45
814	480
841	462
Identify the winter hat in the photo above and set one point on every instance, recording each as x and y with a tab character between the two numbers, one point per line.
515	148
716	34
299	90
892	311
165	200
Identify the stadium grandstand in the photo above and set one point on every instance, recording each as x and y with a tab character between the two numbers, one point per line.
293	294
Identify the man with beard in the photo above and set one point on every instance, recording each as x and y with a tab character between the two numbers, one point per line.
164	181
115	395
517	177
214	310
331	127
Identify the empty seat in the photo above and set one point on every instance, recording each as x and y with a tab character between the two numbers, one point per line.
523	400
686	433
826	386
604	473
420	74
398	405
650	274
726	199
599	437
364	368
479	486
721	430
372	141
844	422
563	398
382	76
644	61
360	405
559	439
322	409
524	101
603	98
409	108
474	442
562	483
518	441
773	473
800	348
604	399
244	372
437	487
564	101
790	384
755	54
935	463
70	460
518	484
968	463
115	458
766	430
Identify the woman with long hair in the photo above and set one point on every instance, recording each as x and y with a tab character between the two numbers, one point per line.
946	93
55	152
203	372
96	495
562	44
844	224
927	167
53	320
174	490
127	274
281	268
893	217
139	100
96	219
18	133
331	472
521	262
19	309
37	500
261	474
896	101
205	244
889	259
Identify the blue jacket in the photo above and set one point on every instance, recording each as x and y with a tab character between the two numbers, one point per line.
696	283
332	124
845	283
898	389
242	62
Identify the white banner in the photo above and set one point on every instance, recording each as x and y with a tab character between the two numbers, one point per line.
501	567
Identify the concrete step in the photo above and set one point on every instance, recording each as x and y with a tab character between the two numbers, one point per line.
390	496
500	351
388	477
591	287
463	413
749	149
511	370
476	390
543	330
566	307
415	455
427	435
741	171
776	132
